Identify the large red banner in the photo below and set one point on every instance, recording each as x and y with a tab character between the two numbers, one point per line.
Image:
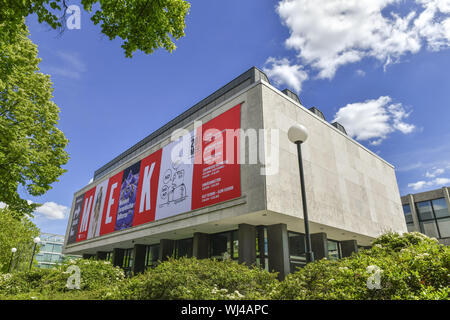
161	185
217	177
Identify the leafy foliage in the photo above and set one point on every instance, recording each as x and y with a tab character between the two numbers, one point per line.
142	24
190	278
31	145
51	283
413	267
15	233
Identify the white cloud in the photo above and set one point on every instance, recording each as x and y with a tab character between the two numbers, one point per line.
334	33
52	211
432	183
282	72
70	65
360	73
373	119
441	181
418	185
434	173
2	205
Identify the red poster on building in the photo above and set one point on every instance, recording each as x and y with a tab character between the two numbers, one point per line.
217	178
85	216
111	203
147	191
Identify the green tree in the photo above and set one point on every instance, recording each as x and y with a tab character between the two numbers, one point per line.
15	233
31	146
145	25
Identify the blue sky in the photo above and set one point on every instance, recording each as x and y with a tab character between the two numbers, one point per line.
380	67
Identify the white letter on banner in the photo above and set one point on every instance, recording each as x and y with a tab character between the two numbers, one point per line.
108	218
145	194
87	210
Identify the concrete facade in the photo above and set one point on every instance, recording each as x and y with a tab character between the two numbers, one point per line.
352	193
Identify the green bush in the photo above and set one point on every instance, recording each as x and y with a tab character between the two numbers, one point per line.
190	278
94	275
51	283
412	266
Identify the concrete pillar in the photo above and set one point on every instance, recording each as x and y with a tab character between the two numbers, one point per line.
88	256
414	214
101	255
319	245
166	247
348	247
118	257
200	245
278	249
247	244
139	258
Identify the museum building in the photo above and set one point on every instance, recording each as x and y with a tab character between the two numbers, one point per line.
227	186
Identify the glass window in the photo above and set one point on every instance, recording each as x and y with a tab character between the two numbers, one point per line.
220	245
152	255
57	248
444	227
407	212
235	245
334	252
424	210
410	227
262	260
429	228
184	248
297	249
440	208
297	246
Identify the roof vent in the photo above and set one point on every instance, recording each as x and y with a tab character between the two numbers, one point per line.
317	112
291	95
339	126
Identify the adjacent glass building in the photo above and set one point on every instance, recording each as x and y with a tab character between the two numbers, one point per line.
50	252
429	213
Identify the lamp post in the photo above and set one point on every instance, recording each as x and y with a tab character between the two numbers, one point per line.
298	134
13	250
36	242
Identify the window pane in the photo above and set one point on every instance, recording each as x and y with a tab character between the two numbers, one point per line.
410	227
333	250
235	241
184	248
297	245
220	245
440	208
444	227
407	212
424	210
429	228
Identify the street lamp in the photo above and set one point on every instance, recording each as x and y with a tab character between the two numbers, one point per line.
13	250
36	242
298	134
